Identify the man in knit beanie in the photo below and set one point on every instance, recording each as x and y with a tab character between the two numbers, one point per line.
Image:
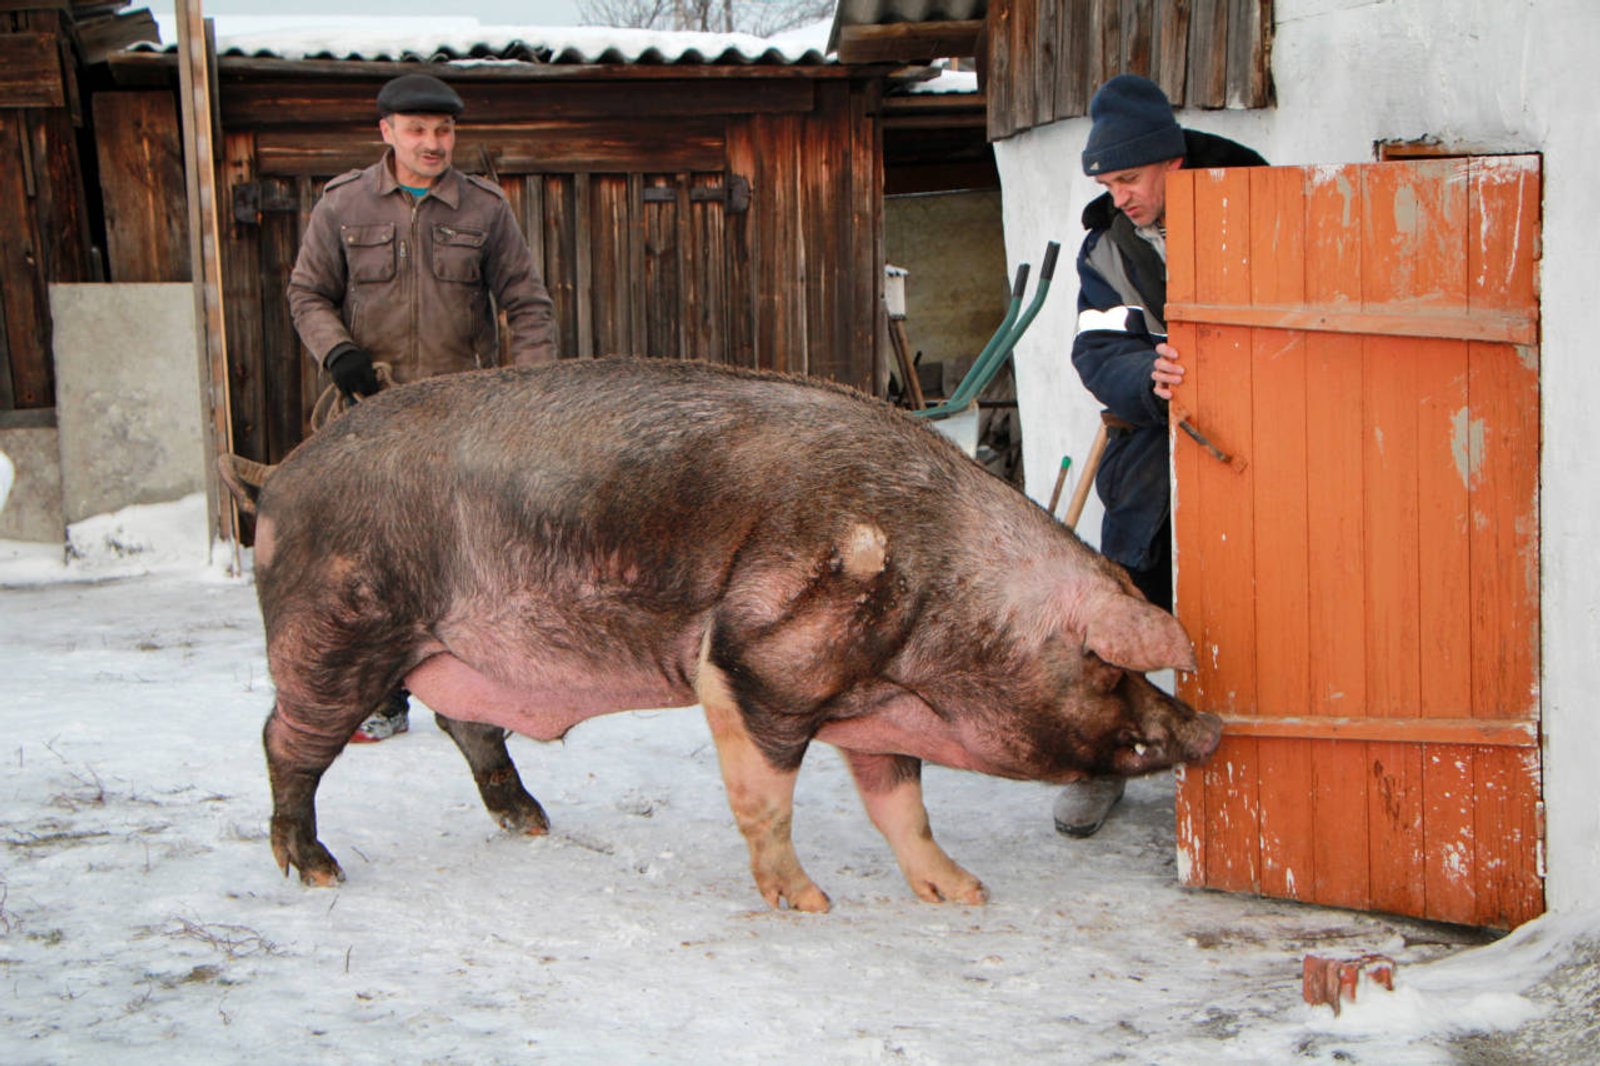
1120	349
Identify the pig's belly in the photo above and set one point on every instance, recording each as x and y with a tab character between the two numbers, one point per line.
544	711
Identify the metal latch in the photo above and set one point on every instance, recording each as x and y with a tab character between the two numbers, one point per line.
734	194
250	202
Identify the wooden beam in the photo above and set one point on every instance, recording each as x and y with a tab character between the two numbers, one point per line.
320	102
196	107
99	38
1497	732
906	41
536	147
30	71
1497	327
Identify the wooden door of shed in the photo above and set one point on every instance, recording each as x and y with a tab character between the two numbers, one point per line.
1362	583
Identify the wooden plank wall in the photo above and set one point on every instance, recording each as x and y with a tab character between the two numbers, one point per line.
1045	58
44	217
140	152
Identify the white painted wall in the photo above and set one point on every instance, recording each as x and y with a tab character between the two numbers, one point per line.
1493	75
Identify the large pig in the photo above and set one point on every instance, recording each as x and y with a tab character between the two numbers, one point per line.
525	549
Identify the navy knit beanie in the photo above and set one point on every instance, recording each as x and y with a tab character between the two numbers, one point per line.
1133	126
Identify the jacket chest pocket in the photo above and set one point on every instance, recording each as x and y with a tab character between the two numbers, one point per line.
370	251
458	254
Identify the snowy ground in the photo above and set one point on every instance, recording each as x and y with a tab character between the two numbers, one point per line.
142	918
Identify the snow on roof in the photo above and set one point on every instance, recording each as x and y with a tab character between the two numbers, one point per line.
948	81
464	41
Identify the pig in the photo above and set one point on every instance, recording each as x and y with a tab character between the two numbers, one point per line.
528	548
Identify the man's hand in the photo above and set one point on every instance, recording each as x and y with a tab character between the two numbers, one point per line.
352	372
1166	372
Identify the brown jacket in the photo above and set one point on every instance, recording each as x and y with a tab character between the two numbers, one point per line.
411	281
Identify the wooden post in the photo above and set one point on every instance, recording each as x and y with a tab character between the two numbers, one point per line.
908	366
197	110
1080	495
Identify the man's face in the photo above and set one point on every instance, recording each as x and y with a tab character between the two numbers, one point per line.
1140	192
422	146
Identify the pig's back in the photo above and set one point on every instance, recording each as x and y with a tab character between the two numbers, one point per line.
661	460
683	431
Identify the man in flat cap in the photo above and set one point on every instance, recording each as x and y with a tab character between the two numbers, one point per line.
1120	349
406	263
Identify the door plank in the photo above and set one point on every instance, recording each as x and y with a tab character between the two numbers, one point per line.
1335	527
1339	846
1414	235
1394	820
1450	858
1389	478
1444	442
1504	534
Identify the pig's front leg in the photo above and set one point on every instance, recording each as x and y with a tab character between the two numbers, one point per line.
891	790
762	798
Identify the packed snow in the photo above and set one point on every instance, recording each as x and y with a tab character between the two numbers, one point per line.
142	918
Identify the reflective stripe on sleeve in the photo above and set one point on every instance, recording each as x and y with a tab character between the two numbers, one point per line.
1122	319
1112	320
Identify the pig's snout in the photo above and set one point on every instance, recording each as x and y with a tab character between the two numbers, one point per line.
1191	738
1200	740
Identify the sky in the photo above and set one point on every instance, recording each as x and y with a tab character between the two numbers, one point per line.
142	919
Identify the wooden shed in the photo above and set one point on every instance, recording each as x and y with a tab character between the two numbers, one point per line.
724	207
46	177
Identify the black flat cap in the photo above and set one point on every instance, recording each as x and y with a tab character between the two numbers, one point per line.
418	94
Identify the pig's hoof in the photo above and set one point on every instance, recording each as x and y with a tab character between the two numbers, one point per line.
321	877
317	869
960	888
807	898
305	853
529	821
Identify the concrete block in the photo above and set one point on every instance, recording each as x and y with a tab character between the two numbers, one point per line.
33	507
127	396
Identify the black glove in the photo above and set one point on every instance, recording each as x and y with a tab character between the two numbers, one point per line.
352	371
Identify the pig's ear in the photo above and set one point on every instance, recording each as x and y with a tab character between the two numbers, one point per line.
1129	632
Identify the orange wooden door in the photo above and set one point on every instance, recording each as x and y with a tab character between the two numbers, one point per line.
1362	581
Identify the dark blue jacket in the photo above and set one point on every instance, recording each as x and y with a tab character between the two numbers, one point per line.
1114	352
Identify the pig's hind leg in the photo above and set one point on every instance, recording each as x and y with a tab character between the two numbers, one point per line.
891	790
300	745
330	668
498	782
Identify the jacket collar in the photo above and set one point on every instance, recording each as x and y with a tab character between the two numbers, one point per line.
447	189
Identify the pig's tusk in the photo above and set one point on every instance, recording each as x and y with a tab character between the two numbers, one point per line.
1138	749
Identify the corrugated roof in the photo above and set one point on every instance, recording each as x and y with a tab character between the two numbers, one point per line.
851	14
888	12
464	42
